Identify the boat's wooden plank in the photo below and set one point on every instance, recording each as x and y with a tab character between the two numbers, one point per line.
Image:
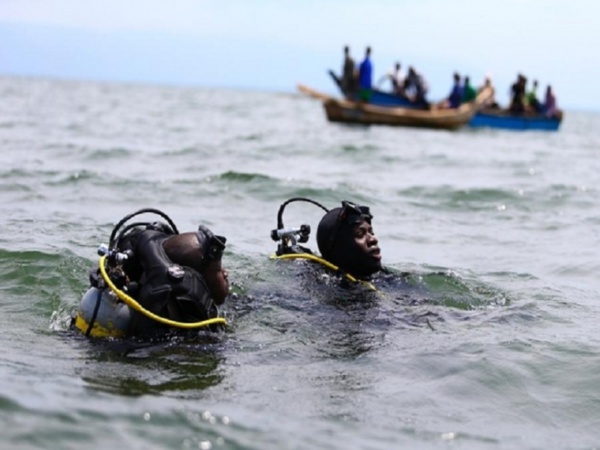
312	92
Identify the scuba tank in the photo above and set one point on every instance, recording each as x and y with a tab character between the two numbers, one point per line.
102	314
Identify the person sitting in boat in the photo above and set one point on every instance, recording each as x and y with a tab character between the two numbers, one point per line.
365	77
469	92
490	102
152	280
456	94
517	102
348	73
396	78
531	101
345	239
550	106
416	87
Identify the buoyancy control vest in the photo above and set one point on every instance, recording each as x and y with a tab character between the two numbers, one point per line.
168	290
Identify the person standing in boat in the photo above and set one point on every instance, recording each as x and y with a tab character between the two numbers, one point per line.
365	77
348	74
517	103
490	102
416	87
550	107
396	78
469	92
456	94
531	99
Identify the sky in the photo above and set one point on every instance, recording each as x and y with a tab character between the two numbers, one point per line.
272	45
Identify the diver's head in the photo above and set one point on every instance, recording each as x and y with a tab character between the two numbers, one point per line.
202	251
345	237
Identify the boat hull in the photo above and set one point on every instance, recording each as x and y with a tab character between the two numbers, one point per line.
367	114
506	120
346	111
352	112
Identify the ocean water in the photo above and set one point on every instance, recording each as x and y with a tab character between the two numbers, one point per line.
489	340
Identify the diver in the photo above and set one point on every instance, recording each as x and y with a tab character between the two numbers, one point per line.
153	280
345	239
349	250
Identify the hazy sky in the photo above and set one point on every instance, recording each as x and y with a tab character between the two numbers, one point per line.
273	45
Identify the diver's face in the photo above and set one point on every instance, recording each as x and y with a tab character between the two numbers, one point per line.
217	279
366	241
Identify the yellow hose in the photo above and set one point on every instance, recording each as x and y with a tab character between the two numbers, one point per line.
326	263
132	303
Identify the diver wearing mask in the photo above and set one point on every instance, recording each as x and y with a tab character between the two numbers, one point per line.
152	279
350	250
345	239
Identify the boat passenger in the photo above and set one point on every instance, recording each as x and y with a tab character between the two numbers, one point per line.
348	73
396	78
490	102
469	92
153	280
456	94
517	103
365	76
531	100
416	87
550	106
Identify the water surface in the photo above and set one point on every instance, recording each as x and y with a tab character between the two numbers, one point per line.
490	341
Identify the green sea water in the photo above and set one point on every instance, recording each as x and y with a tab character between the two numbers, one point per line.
490	340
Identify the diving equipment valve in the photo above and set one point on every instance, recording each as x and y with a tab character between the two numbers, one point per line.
115	261
113	255
290	237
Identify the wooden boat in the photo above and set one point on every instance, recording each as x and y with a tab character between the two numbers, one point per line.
356	112
364	113
508	120
491	118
